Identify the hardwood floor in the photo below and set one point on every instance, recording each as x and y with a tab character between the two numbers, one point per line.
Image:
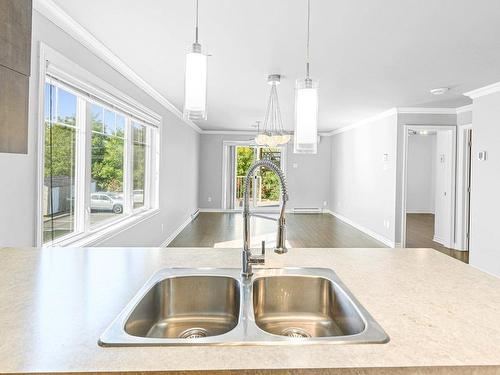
420	232
214	229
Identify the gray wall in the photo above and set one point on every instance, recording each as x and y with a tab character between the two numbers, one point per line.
485	202
308	183
363	184
178	165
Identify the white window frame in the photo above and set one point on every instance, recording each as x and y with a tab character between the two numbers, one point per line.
90	89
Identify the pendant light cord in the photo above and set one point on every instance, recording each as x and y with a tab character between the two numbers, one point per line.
196	23
308	32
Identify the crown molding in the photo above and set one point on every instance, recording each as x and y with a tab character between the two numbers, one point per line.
426	111
465	108
230	132
63	20
389	112
482	91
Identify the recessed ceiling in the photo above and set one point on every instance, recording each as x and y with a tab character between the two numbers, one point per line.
369	55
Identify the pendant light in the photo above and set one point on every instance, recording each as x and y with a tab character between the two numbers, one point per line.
272	134
195	81
306	107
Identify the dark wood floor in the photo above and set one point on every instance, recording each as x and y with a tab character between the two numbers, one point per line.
211	229
420	232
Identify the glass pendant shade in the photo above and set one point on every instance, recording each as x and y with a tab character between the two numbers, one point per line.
195	84
306	117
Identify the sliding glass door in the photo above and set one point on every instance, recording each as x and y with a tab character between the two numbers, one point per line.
264	186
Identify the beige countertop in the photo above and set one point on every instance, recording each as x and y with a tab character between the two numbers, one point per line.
442	316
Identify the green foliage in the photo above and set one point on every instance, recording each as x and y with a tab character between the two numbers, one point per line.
107	160
139	164
244	159
59	150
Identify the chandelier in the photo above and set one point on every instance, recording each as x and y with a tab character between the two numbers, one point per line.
272	133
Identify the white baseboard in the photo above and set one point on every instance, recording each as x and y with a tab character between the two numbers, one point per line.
218	210
363	229
420	211
179	230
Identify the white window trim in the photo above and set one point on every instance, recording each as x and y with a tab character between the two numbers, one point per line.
106	95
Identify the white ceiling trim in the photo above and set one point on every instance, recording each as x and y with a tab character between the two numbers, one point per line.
63	20
427	111
389	112
403	110
482	91
465	108
231	132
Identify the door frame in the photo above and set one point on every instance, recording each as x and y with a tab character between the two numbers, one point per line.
464	182
225	161
453	129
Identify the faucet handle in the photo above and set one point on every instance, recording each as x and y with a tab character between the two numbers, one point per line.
263	248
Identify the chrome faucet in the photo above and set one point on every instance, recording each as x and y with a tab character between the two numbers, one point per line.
248	260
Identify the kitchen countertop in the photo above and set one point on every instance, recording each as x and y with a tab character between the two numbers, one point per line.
442	315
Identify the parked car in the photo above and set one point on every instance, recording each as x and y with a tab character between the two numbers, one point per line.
106	201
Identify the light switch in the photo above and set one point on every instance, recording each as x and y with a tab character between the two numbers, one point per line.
295	165
482	155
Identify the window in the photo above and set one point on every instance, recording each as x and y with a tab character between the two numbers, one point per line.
98	164
59	164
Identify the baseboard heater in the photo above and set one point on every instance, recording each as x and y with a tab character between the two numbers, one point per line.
195	214
307	210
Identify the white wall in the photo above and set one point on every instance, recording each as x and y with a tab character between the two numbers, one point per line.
485	198
308	183
178	165
421	173
363	185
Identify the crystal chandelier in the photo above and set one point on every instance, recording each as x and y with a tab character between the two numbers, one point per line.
272	134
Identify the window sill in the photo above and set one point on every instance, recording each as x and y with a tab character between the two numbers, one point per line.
98	235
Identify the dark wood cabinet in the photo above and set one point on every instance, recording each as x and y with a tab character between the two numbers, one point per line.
15	62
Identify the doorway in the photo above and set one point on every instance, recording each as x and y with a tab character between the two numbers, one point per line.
264	186
429	189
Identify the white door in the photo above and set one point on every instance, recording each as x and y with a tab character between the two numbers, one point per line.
444	186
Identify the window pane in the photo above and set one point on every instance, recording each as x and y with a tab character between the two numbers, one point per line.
66	107
109	122
96	118
120	123
106	185
59	167
139	164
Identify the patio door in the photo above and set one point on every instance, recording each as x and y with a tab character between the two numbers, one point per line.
265	185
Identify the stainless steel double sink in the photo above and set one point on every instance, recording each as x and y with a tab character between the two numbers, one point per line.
207	306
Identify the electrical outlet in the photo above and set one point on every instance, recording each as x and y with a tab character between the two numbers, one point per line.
209	199
295	165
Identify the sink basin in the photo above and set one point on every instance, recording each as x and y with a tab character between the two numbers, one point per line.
283	307
187	307
209	306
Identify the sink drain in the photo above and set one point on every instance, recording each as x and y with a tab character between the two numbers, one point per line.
193	333
296	333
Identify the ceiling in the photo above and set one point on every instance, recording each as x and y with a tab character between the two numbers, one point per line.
369	55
